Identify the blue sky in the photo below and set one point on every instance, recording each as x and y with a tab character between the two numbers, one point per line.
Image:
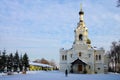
42	27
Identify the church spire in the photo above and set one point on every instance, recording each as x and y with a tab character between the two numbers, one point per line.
81	13
81	7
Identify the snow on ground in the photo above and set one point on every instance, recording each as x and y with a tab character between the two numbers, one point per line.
56	75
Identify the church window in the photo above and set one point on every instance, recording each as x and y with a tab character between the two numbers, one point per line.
81	37
89	67
62	57
79	54
89	55
71	55
65	57
94	51
99	57
98	68
96	57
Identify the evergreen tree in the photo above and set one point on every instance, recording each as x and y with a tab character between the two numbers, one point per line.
3	60
21	63
16	61
25	61
10	62
13	63
0	62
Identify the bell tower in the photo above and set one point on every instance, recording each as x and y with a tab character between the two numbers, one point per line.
81	32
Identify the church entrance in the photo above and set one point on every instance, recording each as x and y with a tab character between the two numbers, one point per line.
79	67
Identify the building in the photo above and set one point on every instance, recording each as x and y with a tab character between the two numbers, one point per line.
82	57
39	66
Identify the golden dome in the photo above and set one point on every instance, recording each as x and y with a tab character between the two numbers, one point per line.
88	41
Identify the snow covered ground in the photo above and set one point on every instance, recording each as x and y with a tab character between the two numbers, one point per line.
56	75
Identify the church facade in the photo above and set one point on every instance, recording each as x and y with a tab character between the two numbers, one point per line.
82	57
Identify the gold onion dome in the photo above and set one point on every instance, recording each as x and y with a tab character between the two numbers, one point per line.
81	12
88	41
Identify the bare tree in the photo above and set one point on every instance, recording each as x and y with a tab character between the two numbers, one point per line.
114	55
52	63
118	3
44	61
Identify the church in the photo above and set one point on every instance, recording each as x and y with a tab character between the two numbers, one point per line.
82	57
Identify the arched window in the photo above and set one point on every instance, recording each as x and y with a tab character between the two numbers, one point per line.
65	57
99	57
89	67
89	55
81	37
62	57
79	54
96	57
71	55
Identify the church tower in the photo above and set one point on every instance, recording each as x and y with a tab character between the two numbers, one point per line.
81	32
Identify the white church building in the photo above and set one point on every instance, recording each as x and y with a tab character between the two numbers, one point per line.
82	57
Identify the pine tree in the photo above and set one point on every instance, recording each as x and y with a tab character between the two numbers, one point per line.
25	61
21	63
10	62
0	62
3	60
16	61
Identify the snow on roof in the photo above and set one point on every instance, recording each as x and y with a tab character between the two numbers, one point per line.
39	64
96	48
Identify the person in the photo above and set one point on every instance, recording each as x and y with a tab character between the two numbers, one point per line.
66	73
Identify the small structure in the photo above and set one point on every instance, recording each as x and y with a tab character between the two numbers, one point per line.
38	66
